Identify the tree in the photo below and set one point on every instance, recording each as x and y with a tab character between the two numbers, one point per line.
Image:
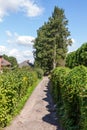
52	40
11	59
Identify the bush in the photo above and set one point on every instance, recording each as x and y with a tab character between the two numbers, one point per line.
39	72
13	87
78	57
57	80
71	97
74	92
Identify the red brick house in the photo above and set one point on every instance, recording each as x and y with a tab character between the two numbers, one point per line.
4	63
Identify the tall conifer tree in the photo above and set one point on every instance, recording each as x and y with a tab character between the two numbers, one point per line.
52	41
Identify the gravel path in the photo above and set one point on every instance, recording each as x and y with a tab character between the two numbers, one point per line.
37	113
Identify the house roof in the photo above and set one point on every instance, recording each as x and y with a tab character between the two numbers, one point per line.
4	62
25	63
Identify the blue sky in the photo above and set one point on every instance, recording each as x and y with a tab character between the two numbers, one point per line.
20	19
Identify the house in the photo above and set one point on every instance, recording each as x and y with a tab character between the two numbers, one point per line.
25	63
4	63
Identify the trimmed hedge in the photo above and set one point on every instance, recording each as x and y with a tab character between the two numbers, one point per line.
57	80
13	87
69	90
39	72
78	57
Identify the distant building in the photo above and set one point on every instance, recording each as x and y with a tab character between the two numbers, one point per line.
4	63
25	63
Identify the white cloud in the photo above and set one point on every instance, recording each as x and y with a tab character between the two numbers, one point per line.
25	40
9	34
73	40
19	55
14	52
75	45
14	38
3	50
27	53
29	7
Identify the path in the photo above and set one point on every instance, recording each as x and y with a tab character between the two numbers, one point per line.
35	114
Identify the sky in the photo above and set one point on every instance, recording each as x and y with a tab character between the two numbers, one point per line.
20	20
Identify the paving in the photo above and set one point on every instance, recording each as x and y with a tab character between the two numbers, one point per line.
37	113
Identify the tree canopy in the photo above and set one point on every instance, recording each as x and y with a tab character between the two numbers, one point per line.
52	41
11	59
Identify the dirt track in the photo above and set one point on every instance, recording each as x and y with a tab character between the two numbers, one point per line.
37	114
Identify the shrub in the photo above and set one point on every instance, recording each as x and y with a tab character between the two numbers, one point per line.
39	72
70	90
13	87
57	79
78	57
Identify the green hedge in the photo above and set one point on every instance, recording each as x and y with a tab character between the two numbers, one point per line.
78	57
13	87
39	72
70	88
57	80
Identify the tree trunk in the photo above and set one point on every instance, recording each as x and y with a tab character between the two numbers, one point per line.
54	60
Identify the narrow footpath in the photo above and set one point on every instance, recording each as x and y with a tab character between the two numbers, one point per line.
37	113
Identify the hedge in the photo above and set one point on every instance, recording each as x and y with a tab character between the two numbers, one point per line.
71	96
78	57
13	87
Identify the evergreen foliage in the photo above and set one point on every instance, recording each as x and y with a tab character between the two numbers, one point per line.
52	41
11	59
78	57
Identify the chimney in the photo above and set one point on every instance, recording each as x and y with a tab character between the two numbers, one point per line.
0	62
